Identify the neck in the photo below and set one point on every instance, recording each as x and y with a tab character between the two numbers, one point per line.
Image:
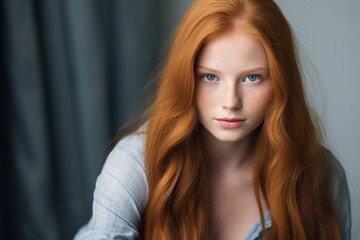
228	155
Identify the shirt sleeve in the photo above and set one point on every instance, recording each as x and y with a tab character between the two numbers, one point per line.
119	198
340	191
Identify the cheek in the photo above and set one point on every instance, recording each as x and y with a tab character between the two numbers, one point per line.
201	106
262	100
267	99
202	100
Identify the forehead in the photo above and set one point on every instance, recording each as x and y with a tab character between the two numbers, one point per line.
234	48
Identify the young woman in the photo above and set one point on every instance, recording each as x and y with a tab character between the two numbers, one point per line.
230	149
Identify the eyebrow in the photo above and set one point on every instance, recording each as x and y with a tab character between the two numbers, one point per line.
243	72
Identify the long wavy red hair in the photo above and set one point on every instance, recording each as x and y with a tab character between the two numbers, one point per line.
290	169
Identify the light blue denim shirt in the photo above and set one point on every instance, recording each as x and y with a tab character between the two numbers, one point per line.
121	194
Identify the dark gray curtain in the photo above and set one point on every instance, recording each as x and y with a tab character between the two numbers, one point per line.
72	71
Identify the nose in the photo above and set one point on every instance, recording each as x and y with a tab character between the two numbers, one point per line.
232	99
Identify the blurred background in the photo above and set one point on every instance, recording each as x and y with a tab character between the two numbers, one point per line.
73	71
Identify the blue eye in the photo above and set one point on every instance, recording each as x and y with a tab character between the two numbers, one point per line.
208	77
253	78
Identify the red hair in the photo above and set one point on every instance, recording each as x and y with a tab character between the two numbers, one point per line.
290	168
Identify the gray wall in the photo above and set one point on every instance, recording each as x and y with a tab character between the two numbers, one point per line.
328	33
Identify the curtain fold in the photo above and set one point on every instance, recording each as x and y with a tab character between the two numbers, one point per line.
72	72
28	124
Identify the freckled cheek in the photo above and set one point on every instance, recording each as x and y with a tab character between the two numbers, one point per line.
200	100
266	99
204	100
260	101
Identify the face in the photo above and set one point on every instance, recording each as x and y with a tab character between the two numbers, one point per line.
233	89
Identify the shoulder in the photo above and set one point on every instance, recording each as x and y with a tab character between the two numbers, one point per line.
336	170
336	173
128	154
125	166
120	194
340	193
131	146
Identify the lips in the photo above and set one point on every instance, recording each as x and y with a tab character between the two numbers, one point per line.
230	119
229	122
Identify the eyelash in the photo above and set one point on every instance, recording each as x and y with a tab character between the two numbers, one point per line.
259	78
203	76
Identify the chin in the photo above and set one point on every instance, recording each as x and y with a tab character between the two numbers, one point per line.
228	137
